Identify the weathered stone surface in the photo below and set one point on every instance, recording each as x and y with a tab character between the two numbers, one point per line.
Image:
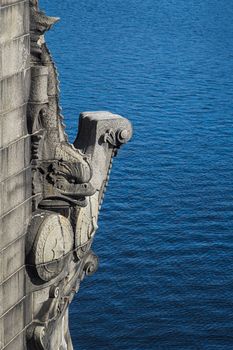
9	2
39	83
15	190
1	333
15	177
13	257
14	91
12	291
14	56
19	217
16	343
15	157
14	317
13	126
14	20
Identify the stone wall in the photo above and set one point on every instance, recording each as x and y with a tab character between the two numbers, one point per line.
15	176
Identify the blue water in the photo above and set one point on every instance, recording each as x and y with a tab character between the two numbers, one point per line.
165	241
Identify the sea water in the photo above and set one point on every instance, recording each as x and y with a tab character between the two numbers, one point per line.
165	241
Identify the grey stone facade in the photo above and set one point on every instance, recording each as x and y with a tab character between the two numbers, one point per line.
15	177
51	191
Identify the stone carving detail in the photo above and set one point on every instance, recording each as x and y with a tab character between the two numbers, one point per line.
69	182
118	138
49	250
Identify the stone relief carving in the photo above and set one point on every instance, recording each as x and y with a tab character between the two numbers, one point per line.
69	182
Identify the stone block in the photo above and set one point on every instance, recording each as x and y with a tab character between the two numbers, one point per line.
17	343
12	291
14	91
13	126
14	20
14	224
15	157
14	56
13	322
14	191
1	333
13	257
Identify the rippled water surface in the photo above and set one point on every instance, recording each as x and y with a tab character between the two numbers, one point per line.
165	241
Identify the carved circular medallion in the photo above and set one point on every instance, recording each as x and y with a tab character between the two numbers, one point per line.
53	242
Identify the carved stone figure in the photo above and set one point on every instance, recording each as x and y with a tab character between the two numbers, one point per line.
69	182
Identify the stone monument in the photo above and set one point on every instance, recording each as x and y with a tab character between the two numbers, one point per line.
51	190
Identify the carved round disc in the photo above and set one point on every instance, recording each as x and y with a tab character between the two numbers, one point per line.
54	241
87	221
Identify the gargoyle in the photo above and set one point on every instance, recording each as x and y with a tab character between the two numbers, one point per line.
69	182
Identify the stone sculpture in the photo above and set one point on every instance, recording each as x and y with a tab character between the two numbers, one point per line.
69	182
